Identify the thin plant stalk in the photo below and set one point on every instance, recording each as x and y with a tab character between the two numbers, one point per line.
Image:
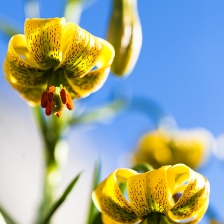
52	133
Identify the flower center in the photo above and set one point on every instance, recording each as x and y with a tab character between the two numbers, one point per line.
54	100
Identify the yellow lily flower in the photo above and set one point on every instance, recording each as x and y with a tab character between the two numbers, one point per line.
54	62
152	193
162	147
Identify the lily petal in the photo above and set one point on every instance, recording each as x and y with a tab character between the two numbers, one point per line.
109	199
43	37
81	51
152	192
149	192
19	67
194	201
94	80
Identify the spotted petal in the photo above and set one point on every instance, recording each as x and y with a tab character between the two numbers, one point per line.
153	192
195	198
149	192
94	79
22	72
80	50
20	67
109	199
43	37
81	53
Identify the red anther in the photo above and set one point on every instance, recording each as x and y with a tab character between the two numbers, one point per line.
69	103
63	96
44	99
51	89
48	109
50	96
59	114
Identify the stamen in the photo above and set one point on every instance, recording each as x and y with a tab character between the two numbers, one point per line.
59	114
51	90
63	95
44	99
69	103
50	96
54	100
48	109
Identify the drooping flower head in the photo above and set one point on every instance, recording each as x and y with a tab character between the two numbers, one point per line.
54	62
168	147
152	192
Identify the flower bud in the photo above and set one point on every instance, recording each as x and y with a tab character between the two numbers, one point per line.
125	34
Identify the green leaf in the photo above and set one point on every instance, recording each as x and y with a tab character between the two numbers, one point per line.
142	167
100	114
7	29
5	216
97	219
93	212
2	220
73	10
58	203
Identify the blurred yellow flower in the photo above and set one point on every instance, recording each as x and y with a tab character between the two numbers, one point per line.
53	63
163	147
125	34
152	192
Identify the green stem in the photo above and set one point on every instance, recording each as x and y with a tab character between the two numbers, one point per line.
153	218
51	131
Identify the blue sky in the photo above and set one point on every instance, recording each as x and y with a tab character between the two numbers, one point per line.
181	67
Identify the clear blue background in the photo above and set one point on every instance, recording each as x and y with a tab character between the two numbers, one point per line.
181	66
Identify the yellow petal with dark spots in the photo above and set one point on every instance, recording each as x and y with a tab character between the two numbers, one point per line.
149	192
194	201
82	51
109	199
19	55
152	192
19	66
23	77
43	37
94	79
78	45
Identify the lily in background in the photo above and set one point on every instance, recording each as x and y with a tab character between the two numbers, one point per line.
168	147
151	196
52	63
